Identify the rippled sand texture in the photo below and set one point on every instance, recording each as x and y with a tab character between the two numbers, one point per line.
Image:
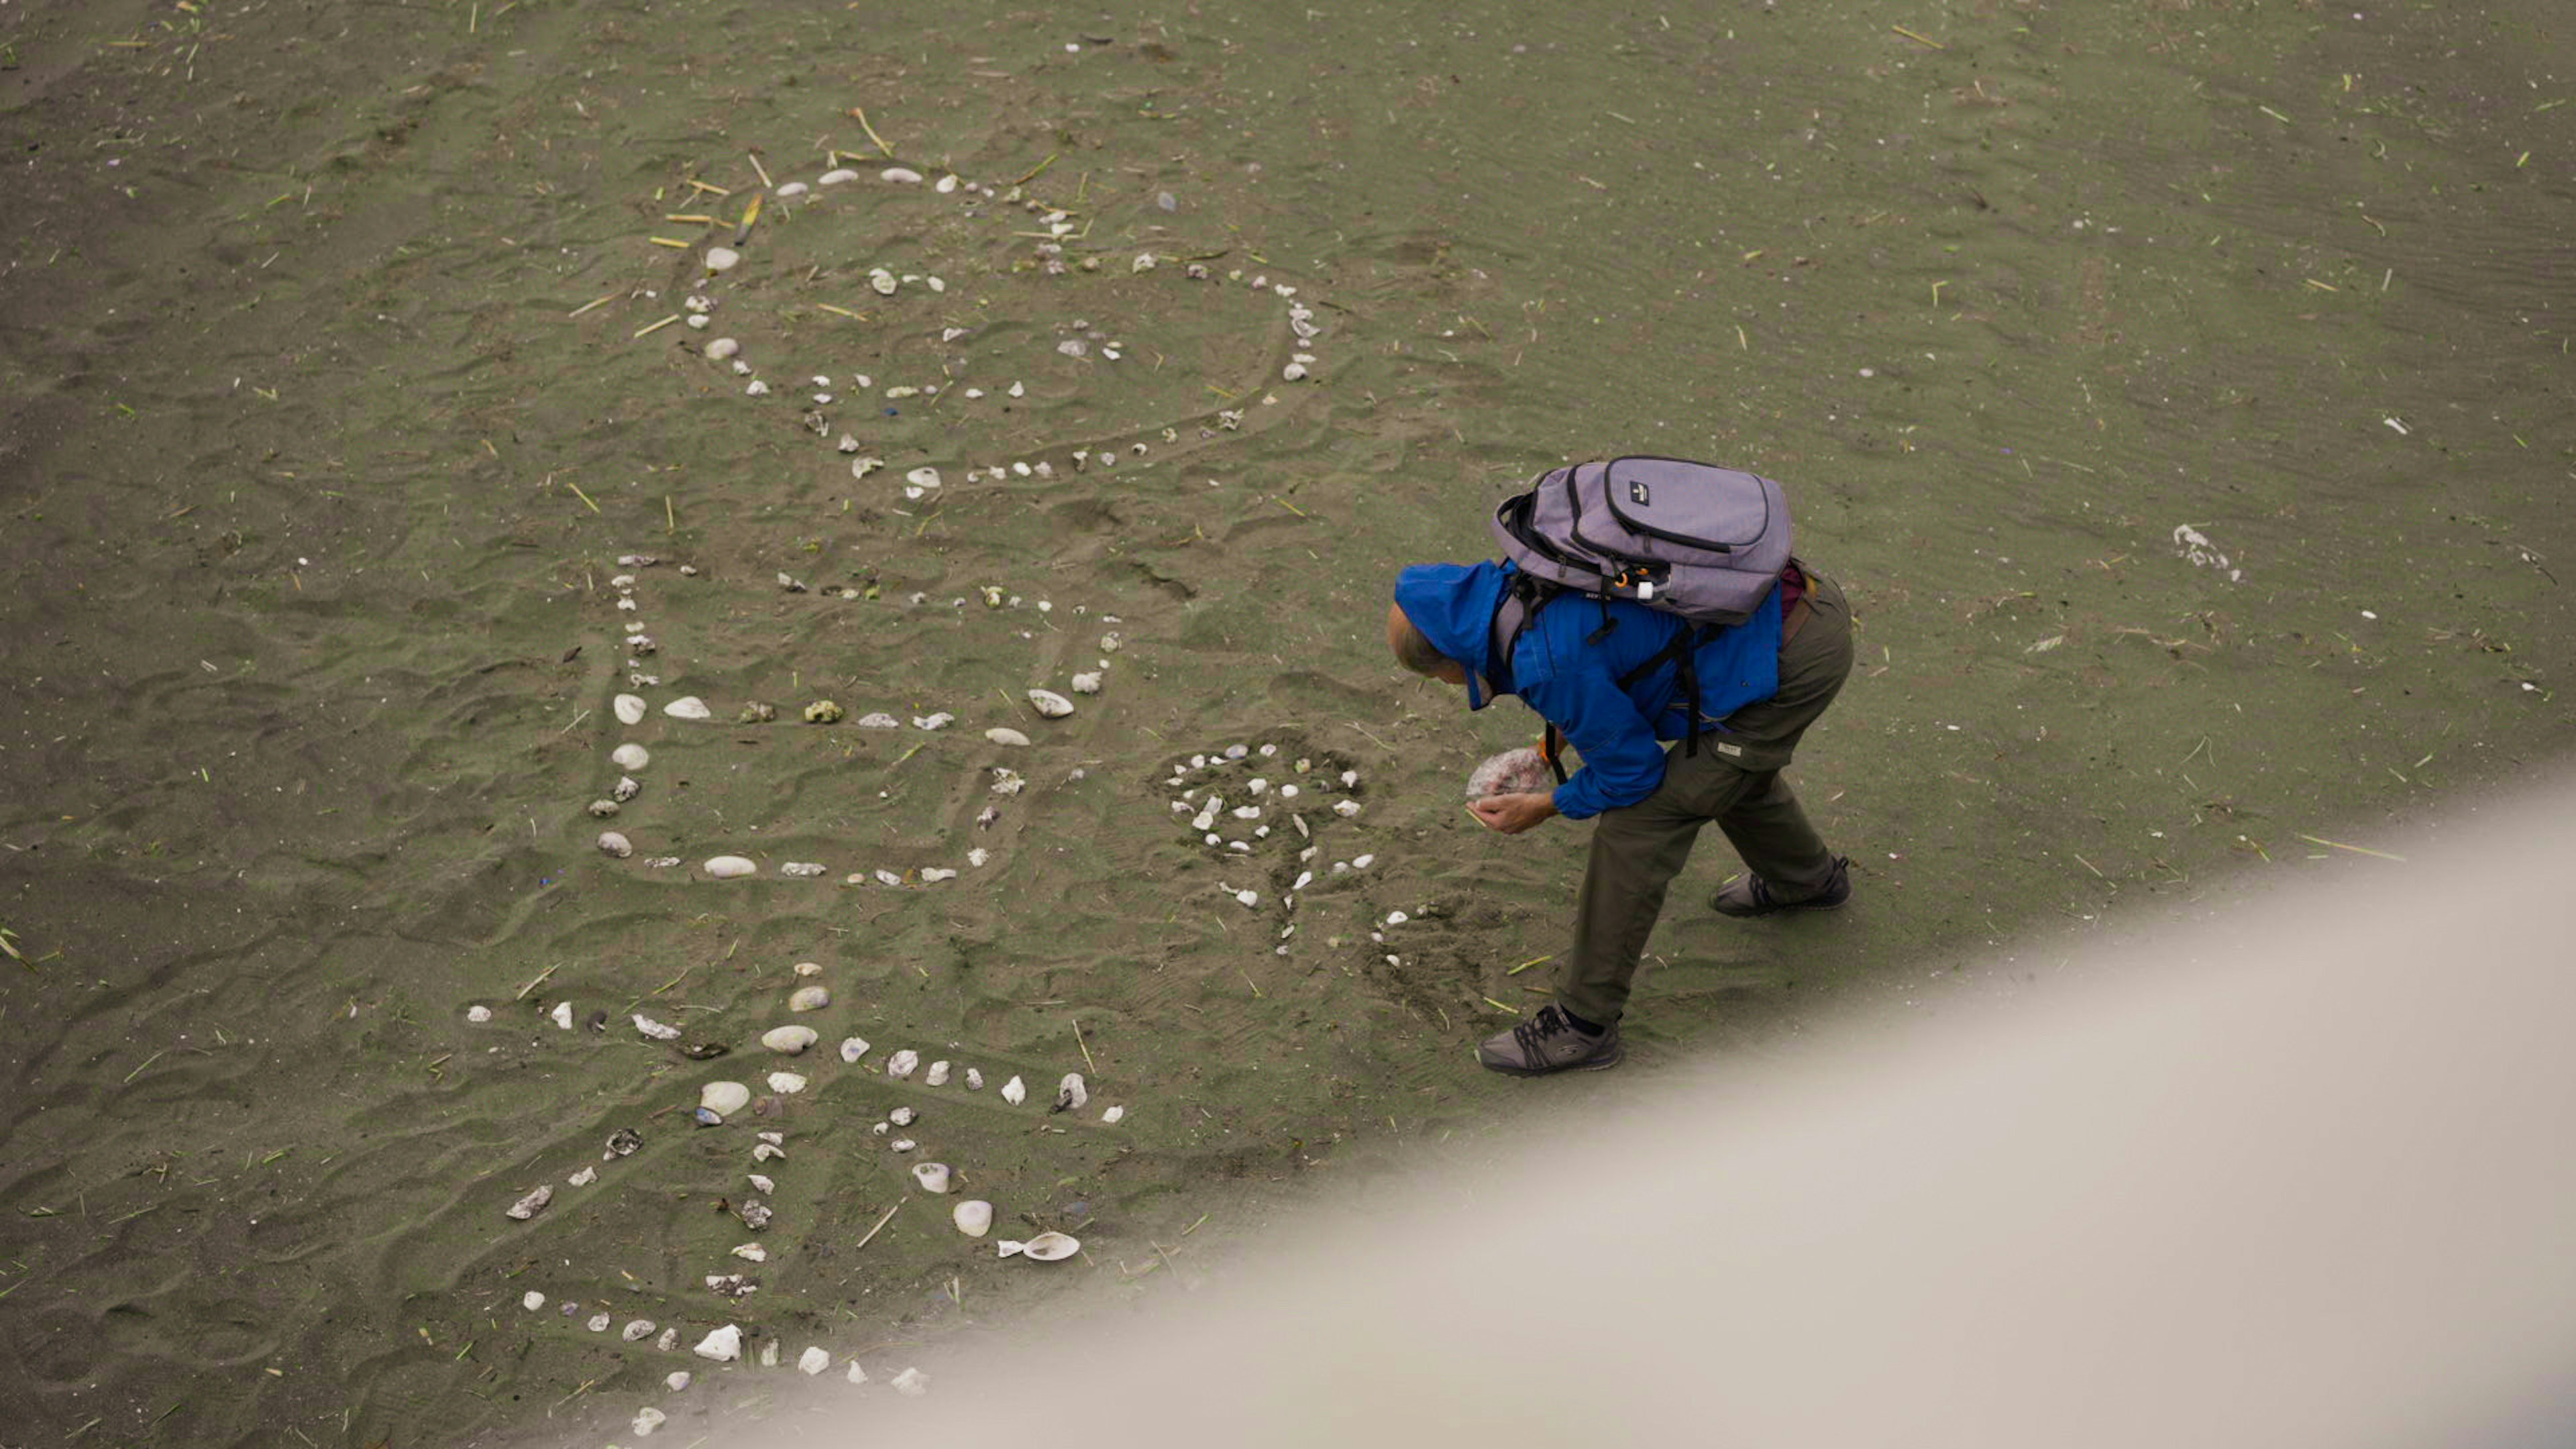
2175	388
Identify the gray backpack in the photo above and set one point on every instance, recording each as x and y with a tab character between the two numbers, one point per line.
1690	539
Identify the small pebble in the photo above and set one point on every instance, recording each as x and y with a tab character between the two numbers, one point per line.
722	259
727	867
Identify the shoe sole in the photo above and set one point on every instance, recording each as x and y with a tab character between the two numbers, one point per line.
1615	1056
1779	910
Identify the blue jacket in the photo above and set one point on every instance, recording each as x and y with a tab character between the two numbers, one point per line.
1573	684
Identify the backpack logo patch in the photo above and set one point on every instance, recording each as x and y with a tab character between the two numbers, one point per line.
1637	493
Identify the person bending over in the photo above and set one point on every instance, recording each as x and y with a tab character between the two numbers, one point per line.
1590	669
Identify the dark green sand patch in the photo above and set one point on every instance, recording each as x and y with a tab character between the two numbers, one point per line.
316	484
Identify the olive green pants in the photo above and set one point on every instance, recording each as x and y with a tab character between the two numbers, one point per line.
1734	780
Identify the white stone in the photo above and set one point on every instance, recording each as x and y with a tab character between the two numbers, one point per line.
809	968
727	867
937	1076
1071	1094
788	1040
687	706
813	1361
794	188
912	1383
809	998
722	259
724	1098
1050	703
584	1178
922	477
532	1301
933	1176
901	1064
900	175
478	1014
598	1323
1113	1115
647	1419
630	708
1003	735
1015	1091
670	1340
883	281
1346	808
627	788
630	757
637	1330
974	1217
722	348
752	1253
1086	683
879	720
903	1116
841	176
853	1048
562	1015
974	1080
677	1381
1293	372
612	843
857	1374
786	1084
1362	862
724	1345
761	1183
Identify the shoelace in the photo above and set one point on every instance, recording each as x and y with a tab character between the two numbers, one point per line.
1549	1022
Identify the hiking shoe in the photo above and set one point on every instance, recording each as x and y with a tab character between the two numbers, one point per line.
1750	895
1548	1043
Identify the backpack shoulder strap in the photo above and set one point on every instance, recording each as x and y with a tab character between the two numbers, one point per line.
1512	618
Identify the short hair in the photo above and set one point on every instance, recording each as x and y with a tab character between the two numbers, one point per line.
1414	652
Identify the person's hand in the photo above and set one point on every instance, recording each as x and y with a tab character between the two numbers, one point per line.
1512	814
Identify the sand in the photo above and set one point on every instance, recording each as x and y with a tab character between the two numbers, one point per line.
318	460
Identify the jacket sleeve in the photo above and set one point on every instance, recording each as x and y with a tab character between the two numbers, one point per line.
1622	761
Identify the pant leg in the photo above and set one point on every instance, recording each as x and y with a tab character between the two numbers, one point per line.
1636	852
1770	831
1764	821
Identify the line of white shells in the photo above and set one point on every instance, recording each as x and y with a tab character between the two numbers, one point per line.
885	282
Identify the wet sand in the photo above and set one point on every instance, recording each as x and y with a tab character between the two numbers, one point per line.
317	474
